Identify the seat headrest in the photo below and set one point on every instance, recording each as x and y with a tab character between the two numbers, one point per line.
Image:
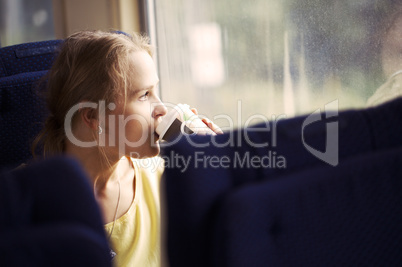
28	57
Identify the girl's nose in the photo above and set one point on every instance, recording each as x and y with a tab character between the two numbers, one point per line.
159	110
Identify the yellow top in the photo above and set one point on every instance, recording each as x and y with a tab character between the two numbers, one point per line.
136	235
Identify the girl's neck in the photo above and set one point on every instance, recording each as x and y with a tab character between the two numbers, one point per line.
98	167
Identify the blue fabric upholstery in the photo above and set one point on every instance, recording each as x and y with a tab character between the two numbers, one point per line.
28	57
22	112
47	211
194	193
49	217
22	106
348	215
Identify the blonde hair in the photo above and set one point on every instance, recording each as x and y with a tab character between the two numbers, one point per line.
91	66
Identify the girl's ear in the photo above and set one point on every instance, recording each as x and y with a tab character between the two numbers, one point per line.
89	117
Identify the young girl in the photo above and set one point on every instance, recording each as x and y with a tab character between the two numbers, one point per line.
104	107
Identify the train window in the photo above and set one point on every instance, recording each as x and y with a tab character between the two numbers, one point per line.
247	60
25	21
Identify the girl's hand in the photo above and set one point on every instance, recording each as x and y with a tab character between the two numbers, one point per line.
215	128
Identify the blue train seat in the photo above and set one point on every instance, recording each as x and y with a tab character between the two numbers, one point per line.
226	208
22	104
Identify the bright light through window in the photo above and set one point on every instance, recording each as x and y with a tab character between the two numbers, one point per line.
277	57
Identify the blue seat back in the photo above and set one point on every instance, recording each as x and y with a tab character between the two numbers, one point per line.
22	102
27	57
201	172
348	215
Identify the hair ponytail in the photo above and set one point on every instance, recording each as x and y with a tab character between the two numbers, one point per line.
51	139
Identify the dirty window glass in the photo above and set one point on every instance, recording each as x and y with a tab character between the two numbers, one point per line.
257	59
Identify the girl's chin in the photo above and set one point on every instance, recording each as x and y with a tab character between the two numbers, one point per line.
155	150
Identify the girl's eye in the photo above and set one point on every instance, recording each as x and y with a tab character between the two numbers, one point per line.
144	96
